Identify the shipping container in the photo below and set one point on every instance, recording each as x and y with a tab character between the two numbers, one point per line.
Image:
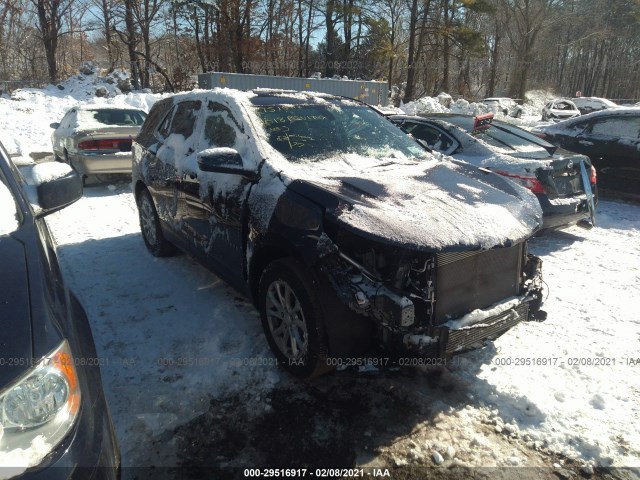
372	93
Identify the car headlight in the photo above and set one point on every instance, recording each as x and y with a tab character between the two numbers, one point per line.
38	410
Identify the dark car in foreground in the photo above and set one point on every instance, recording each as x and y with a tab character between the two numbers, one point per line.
54	422
96	140
610	138
346	233
554	177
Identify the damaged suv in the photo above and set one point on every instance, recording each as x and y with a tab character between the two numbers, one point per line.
346	233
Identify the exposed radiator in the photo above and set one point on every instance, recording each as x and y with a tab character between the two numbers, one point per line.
466	281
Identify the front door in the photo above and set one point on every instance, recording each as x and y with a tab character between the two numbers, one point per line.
216	202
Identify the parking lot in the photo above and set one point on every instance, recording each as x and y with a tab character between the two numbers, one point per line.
187	371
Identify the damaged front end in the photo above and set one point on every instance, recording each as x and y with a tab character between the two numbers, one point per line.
434	304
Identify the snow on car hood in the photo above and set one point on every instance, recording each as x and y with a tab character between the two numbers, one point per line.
431	205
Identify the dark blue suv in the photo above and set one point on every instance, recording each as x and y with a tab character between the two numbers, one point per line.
54	421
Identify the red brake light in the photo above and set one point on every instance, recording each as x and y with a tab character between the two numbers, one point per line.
540	134
531	183
593	178
124	145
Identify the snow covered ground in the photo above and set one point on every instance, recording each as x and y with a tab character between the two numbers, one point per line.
185	355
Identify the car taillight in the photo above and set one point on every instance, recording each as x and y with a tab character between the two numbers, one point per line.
106	144
593	178
540	134
531	183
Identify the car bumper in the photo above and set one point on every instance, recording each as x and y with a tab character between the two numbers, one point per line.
92	164
90	450
444	342
563	213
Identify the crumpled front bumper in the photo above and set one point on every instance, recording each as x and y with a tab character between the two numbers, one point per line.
403	331
443	342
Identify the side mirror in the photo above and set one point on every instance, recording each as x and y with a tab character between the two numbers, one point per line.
54	186
224	160
54	125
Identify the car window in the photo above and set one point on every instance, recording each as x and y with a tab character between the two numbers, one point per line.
221	128
181	120
435	138
184	118
563	106
68	119
624	127
9	217
165	125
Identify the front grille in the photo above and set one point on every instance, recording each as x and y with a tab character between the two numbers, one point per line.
473	337
466	281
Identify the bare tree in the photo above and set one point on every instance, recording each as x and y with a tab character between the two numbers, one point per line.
50	18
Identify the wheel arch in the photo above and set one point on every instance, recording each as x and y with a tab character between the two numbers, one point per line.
261	258
137	188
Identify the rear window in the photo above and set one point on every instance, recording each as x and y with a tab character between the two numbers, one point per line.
503	136
112	117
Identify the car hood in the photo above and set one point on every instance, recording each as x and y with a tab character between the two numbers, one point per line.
429	206
16	345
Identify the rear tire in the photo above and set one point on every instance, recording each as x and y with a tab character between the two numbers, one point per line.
150	227
292	319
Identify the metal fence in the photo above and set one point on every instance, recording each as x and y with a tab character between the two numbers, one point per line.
372	93
11	85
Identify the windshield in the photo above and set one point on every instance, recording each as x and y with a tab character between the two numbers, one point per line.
318	131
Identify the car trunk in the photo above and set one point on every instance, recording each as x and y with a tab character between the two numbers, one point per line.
108	140
563	179
469	280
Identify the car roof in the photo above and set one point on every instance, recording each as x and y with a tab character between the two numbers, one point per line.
466	121
609	112
263	96
594	100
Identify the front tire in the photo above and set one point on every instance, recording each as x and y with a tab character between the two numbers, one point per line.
292	319
150	227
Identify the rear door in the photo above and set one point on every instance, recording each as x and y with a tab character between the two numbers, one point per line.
169	159
615	138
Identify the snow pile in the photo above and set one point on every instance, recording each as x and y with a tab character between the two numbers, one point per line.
8	212
33	110
89	83
535	100
443	103
424	105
